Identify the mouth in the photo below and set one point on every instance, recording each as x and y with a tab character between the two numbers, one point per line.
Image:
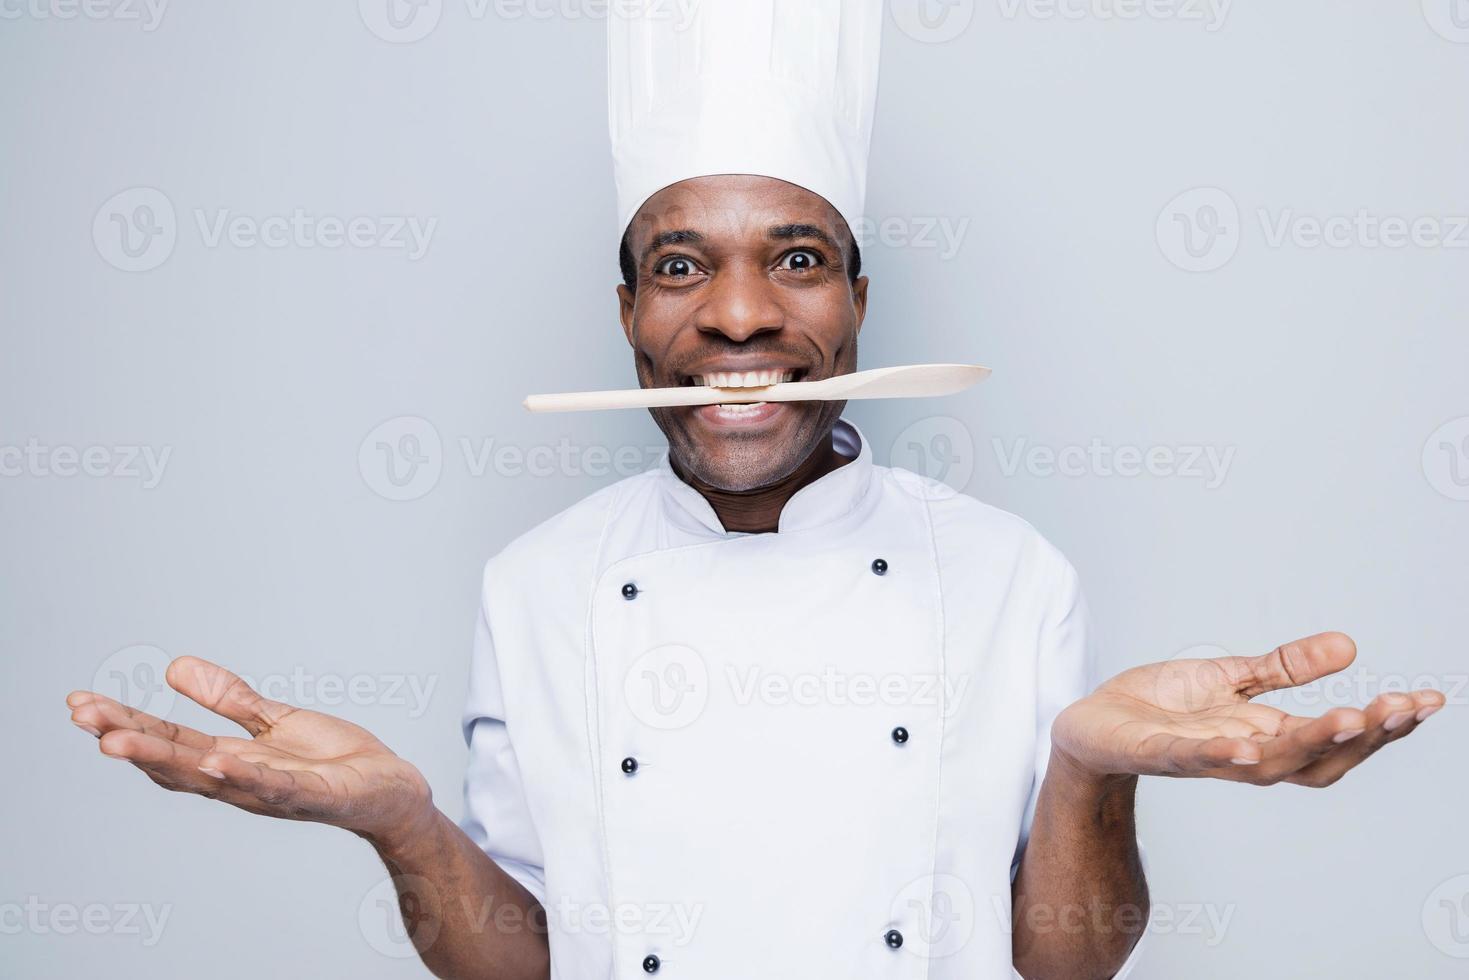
742	415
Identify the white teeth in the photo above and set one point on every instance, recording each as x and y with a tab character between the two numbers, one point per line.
742	379
739	411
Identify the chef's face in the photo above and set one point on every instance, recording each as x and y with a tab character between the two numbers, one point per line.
742	280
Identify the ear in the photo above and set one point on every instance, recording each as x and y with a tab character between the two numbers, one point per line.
859	300
625	302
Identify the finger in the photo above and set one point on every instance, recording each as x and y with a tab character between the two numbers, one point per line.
1306	740
181	768
1388	718
295	792
100	715
1294	664
1169	755
224	693
169	764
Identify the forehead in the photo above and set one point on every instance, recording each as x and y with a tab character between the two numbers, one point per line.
733	207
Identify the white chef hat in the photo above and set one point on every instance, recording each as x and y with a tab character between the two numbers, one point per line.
778	88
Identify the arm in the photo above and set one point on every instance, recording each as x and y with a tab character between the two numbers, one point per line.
461	910
470	919
1080	900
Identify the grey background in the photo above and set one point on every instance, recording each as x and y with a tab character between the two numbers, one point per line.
1056	143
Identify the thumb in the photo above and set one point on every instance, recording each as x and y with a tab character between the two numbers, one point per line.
223	692
1295	664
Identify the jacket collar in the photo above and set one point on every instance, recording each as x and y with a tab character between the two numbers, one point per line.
819	502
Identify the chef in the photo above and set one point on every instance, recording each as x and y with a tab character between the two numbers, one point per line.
769	709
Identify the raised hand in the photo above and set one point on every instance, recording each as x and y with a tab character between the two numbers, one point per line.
296	764
1196	718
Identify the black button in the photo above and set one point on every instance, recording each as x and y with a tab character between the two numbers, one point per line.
629	591
879	566
651	963
629	765
900	735
893	938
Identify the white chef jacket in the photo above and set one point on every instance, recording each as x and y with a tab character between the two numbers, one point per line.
806	754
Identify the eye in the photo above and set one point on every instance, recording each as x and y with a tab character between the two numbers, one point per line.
800	260
676	266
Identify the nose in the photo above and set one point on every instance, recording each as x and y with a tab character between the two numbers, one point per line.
740	303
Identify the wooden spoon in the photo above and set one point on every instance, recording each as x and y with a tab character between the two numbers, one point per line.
912	381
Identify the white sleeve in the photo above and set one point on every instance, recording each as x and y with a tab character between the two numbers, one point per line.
496	816
1065	673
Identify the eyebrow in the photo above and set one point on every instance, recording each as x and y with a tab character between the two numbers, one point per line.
680	236
784	232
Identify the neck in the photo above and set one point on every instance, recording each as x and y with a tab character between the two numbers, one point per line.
758	510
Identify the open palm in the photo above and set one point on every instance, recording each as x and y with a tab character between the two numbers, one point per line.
296	764
1196	718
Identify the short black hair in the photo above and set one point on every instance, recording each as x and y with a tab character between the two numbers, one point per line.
630	267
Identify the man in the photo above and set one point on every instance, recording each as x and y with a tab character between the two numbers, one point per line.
770	709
